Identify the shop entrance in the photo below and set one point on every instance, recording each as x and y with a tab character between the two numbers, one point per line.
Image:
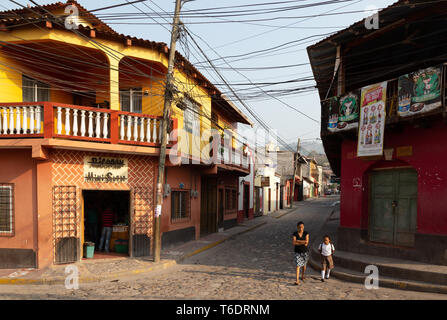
106	223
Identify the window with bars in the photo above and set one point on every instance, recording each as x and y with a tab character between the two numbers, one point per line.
132	100
191	120
34	90
6	209
180	205
230	200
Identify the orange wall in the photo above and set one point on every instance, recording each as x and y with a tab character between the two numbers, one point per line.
175	176
17	167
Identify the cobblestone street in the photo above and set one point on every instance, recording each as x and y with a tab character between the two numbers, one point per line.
254	265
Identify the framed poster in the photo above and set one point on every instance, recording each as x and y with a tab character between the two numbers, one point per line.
343	112
420	91
372	120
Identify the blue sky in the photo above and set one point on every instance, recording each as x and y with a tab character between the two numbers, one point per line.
229	39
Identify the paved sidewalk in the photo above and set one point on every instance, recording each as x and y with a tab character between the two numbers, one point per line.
393	273
105	269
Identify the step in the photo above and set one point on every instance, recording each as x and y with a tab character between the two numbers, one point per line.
392	268
384	281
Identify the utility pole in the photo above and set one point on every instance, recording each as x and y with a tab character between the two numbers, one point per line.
294	172
164	131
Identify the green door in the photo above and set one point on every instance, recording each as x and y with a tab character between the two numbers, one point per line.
393	210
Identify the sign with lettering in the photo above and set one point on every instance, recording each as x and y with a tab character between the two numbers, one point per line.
104	169
372	120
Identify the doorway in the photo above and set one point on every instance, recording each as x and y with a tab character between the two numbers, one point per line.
393	206
208	208
220	204
107	209
246	200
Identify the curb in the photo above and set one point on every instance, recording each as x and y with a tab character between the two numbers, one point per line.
162	266
387	283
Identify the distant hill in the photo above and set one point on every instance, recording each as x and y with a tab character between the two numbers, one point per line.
312	149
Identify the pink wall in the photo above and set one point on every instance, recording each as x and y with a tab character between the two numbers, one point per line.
428	159
17	167
175	176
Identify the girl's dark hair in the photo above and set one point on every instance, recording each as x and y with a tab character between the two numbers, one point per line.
326	236
301	222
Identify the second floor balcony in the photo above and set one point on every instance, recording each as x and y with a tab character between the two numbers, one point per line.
63	121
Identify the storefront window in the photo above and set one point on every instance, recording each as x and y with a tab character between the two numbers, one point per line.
180	205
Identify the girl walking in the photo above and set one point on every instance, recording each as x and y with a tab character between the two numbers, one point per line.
327	262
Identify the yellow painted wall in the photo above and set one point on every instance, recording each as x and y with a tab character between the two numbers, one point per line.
10	81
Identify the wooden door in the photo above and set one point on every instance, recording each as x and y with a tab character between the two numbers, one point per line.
270	199
208	208
221	208
393	209
246	200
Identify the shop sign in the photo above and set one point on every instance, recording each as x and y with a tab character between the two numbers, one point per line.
372	120
343	112
104	169
420	91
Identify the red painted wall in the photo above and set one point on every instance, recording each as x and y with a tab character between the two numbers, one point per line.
428	159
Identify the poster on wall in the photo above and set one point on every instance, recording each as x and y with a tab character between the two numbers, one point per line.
343	112
420	91
372	120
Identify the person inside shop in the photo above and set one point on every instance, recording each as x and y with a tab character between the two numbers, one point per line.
92	222
107	227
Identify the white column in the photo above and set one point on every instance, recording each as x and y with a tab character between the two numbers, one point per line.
90	124
129	128
1	121
25	120
18	120
67	121
122	127
75	122
142	129
83	123
135	129
105	128
98	124
59	120
5	121
38	119
31	120
11	120
148	137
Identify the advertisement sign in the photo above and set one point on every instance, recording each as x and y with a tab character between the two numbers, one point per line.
420	91
343	112
108	170
372	120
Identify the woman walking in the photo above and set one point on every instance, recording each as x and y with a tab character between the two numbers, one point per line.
300	241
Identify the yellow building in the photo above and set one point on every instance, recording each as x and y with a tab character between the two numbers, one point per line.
80	115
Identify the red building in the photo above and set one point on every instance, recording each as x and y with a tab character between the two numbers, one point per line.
393	179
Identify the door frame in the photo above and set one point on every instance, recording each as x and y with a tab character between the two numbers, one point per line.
370	203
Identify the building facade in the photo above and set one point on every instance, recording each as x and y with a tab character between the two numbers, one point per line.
383	129
80	132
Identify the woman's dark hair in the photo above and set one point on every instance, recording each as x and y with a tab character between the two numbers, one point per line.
301	222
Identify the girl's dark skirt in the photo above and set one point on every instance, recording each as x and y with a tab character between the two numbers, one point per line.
301	259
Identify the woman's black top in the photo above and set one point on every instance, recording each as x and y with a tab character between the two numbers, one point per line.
300	248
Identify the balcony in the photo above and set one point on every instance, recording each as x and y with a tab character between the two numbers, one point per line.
224	154
63	121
